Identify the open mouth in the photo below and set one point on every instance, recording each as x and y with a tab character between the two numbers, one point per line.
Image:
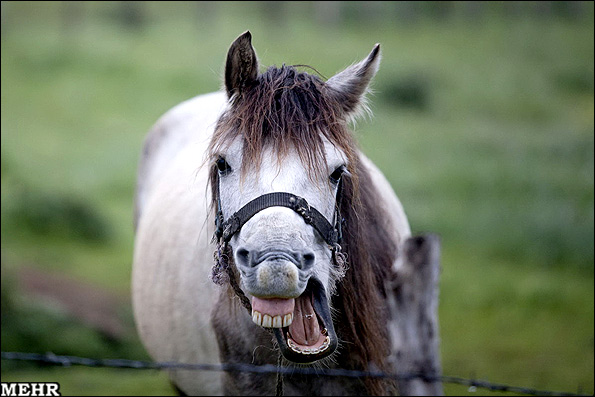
303	326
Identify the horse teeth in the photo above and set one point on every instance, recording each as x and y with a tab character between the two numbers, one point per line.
268	321
287	319
277	322
317	350
257	317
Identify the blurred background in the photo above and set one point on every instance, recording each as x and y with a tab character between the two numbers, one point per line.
483	123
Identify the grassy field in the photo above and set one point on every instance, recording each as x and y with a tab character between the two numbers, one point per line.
484	128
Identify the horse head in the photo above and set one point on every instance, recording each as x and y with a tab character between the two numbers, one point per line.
281	156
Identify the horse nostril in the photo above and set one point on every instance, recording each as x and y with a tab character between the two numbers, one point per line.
308	259
243	257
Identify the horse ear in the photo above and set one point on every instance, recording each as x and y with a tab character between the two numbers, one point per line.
241	67
349	86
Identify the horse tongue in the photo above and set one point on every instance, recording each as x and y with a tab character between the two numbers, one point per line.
304	329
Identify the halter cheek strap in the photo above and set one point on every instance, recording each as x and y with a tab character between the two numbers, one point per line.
225	229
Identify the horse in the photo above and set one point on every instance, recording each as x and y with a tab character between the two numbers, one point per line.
267	175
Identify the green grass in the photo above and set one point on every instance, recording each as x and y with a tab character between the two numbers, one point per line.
536	327
82	381
492	148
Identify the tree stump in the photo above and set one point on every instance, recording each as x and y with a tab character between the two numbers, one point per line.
412	293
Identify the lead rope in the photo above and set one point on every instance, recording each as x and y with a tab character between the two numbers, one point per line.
279	376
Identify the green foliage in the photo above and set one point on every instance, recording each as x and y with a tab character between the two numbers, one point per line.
59	216
483	124
407	92
41	326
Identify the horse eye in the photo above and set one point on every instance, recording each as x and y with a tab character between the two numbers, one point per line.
223	166
335	177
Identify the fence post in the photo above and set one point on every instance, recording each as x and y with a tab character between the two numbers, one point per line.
412	292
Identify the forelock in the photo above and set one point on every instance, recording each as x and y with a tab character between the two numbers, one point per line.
285	109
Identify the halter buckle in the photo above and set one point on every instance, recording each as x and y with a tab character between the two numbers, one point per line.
301	206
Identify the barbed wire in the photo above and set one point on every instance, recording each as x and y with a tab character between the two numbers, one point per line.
67	361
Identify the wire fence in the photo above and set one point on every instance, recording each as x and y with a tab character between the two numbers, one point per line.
473	384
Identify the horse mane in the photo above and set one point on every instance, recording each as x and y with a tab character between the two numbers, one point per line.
288	109
360	294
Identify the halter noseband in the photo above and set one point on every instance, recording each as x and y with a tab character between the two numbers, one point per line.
225	229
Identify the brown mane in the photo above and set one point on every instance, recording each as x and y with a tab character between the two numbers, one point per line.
288	109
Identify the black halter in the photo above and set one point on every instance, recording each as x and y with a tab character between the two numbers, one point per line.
225	229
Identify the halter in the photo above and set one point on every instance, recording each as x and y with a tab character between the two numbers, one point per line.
331	234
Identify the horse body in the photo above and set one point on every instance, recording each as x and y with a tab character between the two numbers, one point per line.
172	294
182	316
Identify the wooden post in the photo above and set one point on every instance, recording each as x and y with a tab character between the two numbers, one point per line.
412	295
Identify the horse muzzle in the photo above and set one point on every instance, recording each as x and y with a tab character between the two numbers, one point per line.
285	296
275	273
